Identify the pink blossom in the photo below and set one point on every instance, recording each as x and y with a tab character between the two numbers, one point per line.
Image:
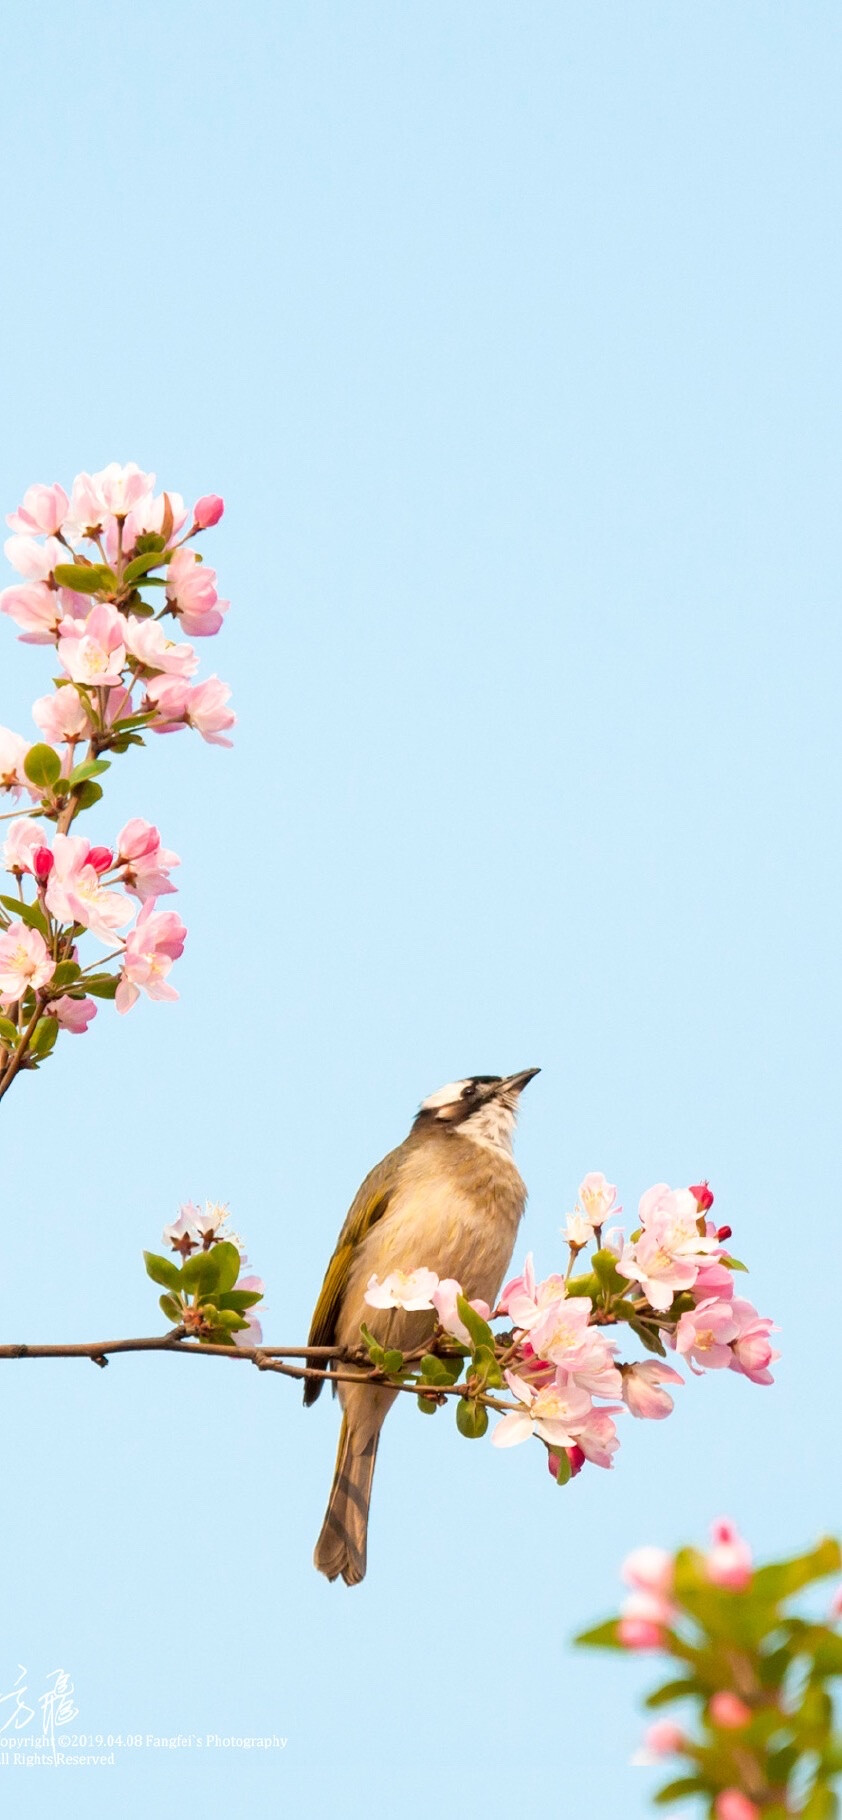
151	947
732	1805
183	1234
202	707
663	1739
74	1014
597	1198
147	864
37	608
752	1352
25	836
525	1301
33	560
714	1279
149	645
577	1231
671	1251
660	1274
149	516
642	1392
93	650
121	489
561	1332
62	715
702	1196
25	960
555	1413
444	1303
410	1289
207	511
598	1438
101	858
13	751
650	1570
252	1334
704	1333
191	592
648	1608
74	893
42	513
728	1560
728	1711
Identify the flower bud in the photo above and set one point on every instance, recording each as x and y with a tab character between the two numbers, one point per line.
729	1711
723	1233
728	1562
704	1197
639	1633
663	1739
207	511
732	1805
42	864
100	858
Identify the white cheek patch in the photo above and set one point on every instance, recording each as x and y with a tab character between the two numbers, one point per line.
492	1125
446	1096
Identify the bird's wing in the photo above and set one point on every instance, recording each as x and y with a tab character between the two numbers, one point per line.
368	1206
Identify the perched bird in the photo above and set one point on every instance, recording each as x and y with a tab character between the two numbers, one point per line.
450	1199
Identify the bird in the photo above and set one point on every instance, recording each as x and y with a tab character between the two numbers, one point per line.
450	1199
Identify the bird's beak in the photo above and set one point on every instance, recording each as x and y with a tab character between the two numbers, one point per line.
515	1083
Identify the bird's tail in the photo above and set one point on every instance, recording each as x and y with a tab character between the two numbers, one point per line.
341	1546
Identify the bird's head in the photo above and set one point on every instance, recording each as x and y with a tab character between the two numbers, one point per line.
484	1108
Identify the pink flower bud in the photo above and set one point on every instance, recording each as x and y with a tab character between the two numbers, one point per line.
729	1711
42	864
663	1739
703	1195
639	1633
100	858
207	511
576	1458
723	1233
732	1805
728	1562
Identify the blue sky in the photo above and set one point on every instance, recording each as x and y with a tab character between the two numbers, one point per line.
510	335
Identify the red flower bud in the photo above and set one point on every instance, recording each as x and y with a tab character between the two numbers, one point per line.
576	1458
42	864
723	1232
207	511
100	858
704	1197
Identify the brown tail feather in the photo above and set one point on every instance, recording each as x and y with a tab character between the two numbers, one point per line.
341	1546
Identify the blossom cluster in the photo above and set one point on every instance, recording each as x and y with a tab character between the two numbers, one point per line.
765	1743
671	1282
90	564
207	1296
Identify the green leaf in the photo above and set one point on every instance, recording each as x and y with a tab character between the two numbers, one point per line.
42	766
66	974
478	1329
93	767
648	1337
239	1299
392	1361
603	1636
172	1309
373	1347
85	578
564	1470
676	1791
823	1804
827	1656
44	1036
8	1032
782	1578
88	794
162	1270
732	1263
208	1271
673	1690
486	1368
426	1406
149	541
440	1371
586	1285
31	914
471	1418
140	565
100	985
604	1266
